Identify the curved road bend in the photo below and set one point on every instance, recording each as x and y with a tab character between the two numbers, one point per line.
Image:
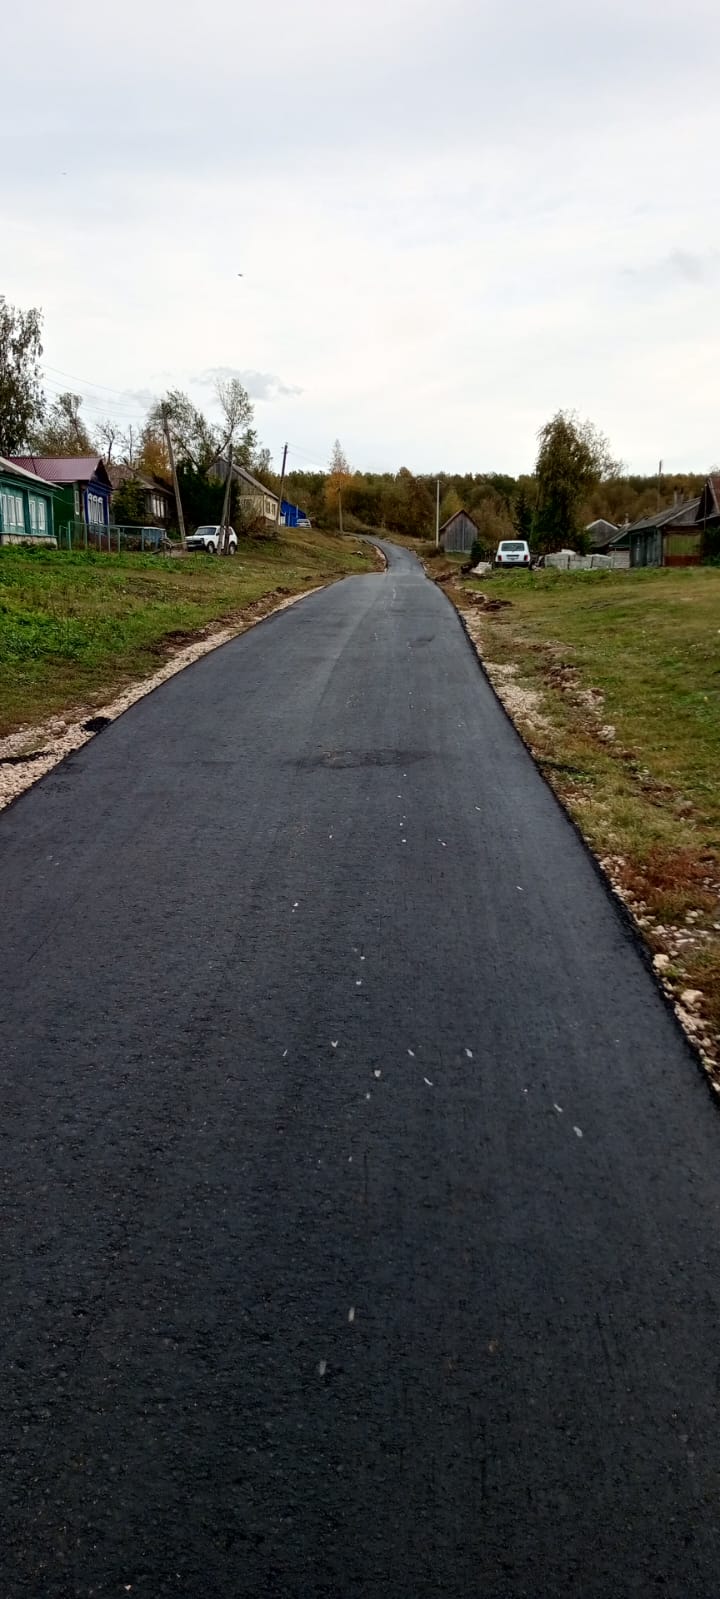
360	1200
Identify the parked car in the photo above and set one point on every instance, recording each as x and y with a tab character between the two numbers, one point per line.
304	522
513	552
208	539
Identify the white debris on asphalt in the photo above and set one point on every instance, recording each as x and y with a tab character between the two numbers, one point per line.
322	1368
578	1131
351	1313
427	1080
558	1108
469	1054
334	1042
411	1053
377	1072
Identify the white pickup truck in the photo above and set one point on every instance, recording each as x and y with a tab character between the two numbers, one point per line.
209	539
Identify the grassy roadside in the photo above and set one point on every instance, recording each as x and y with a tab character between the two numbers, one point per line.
77	628
613	678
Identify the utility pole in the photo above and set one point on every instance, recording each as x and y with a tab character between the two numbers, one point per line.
340	512
659	487
437	516
223	544
282	485
176	485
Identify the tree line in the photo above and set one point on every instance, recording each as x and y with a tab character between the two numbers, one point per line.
575	478
576	481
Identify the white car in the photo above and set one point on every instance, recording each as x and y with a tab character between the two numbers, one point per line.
208	539
513	552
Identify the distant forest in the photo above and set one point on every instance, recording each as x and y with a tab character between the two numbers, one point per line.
501	505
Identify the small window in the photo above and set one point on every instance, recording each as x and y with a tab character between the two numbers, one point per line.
33	514
41	516
76	499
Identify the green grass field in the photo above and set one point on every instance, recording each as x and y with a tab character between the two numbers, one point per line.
623	714
76	628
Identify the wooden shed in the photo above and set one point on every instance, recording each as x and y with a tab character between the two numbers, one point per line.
459	533
671	537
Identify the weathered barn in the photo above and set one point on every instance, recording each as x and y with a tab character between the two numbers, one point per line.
459	533
671	537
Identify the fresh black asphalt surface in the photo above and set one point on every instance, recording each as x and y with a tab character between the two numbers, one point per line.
360	1197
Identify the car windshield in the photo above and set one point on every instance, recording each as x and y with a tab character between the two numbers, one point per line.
510	544
206	530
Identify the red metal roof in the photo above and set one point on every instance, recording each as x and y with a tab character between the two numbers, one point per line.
60	469
10	464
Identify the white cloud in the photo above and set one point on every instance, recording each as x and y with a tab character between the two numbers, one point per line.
259	385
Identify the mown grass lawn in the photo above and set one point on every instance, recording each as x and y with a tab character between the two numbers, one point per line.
76	627
624	717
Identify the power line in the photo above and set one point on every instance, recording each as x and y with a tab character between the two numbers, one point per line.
295	449
96	407
87	381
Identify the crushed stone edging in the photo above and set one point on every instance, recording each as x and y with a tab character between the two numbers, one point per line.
29	763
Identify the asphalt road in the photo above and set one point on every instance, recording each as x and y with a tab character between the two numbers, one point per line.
360	1199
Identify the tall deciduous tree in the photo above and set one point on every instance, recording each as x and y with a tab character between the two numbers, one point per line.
107	435
22	402
573	456
194	438
63	430
337	479
237	411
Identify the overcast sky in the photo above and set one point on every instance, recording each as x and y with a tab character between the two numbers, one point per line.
452	218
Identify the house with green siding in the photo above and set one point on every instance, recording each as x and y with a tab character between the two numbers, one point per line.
26	507
83	485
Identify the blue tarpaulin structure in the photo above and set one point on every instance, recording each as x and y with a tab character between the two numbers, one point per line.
291	515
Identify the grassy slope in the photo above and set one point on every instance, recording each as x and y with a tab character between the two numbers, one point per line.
75	628
626	724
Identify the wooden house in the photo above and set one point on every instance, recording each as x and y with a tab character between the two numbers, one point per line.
157	497
708	515
601	535
255	499
672	537
26	506
83	483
